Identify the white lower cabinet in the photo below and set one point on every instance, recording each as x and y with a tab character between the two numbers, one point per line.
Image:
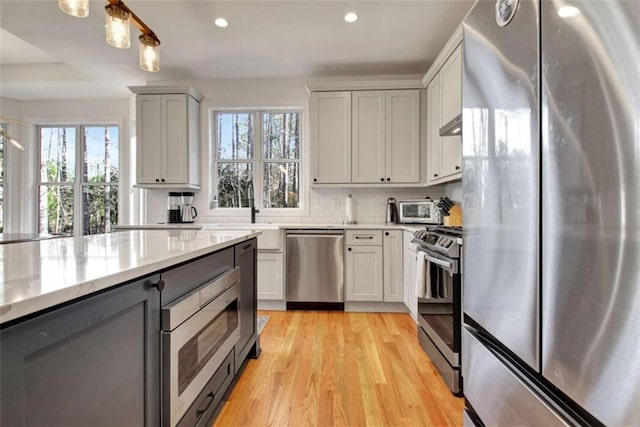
363	266
410	268
270	276
374	266
392	243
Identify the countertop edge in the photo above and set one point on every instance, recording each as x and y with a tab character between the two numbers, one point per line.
15	310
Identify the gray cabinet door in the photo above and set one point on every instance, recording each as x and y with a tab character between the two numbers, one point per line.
94	362
246	260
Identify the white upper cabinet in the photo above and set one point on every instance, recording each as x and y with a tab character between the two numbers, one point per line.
167	136
444	99
369	136
433	130
451	77
386	136
365	137
331	137
403	136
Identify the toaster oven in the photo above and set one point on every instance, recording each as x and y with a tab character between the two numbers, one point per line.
419	211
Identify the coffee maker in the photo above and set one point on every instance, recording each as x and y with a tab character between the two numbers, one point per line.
189	211
180	207
174	207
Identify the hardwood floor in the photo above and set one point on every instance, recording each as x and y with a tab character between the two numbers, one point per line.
342	369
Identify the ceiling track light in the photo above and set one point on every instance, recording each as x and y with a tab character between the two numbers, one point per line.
118	33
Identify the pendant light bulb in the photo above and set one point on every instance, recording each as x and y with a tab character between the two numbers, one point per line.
77	8
117	26
149	53
8	137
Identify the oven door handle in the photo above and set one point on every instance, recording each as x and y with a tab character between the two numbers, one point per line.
450	266
445	264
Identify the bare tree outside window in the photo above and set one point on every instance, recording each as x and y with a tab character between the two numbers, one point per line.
258	146
92	193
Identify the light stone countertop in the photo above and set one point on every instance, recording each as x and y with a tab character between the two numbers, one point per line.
269	225
39	275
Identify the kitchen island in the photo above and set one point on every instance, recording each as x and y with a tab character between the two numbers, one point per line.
81	325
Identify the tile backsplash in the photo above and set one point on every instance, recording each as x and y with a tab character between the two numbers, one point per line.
326	206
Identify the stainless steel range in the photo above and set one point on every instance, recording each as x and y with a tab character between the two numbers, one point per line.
439	290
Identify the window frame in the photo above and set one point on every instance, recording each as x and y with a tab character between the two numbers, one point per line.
3	216
258	162
78	183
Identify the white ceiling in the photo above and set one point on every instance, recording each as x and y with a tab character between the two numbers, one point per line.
47	54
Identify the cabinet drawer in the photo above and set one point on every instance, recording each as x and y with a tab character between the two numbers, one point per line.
364	237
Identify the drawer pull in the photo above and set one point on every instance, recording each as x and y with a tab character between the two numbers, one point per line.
364	237
247	246
201	412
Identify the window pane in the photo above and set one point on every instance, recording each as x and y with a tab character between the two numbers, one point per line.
232	184
56	209
235	136
57	154
99	208
281	185
100	155
281	135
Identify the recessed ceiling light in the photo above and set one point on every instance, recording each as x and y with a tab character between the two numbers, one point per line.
221	22
568	12
351	17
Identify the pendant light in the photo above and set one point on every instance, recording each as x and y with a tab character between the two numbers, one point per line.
77	8
149	54
7	137
118	29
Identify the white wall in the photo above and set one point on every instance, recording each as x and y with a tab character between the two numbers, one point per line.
453	191
321	205
21	168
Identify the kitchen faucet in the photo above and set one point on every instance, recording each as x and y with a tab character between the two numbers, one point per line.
252	205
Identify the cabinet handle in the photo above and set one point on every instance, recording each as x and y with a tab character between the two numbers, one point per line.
160	285
315	179
382	179
162	180
388	179
364	237
157	180
246	246
386	233
457	168
435	175
349	249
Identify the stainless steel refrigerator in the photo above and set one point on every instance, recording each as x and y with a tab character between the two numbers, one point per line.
551	199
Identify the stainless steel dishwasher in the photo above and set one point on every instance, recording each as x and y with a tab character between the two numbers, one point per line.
315	269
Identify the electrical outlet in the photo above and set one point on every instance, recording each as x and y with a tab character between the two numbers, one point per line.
336	203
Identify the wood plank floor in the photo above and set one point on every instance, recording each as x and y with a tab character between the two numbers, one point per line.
340	369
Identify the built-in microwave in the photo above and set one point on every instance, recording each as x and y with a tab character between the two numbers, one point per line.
419	211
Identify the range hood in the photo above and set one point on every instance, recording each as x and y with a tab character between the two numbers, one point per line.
453	128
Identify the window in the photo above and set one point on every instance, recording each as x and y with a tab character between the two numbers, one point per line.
2	128
261	147
78	179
